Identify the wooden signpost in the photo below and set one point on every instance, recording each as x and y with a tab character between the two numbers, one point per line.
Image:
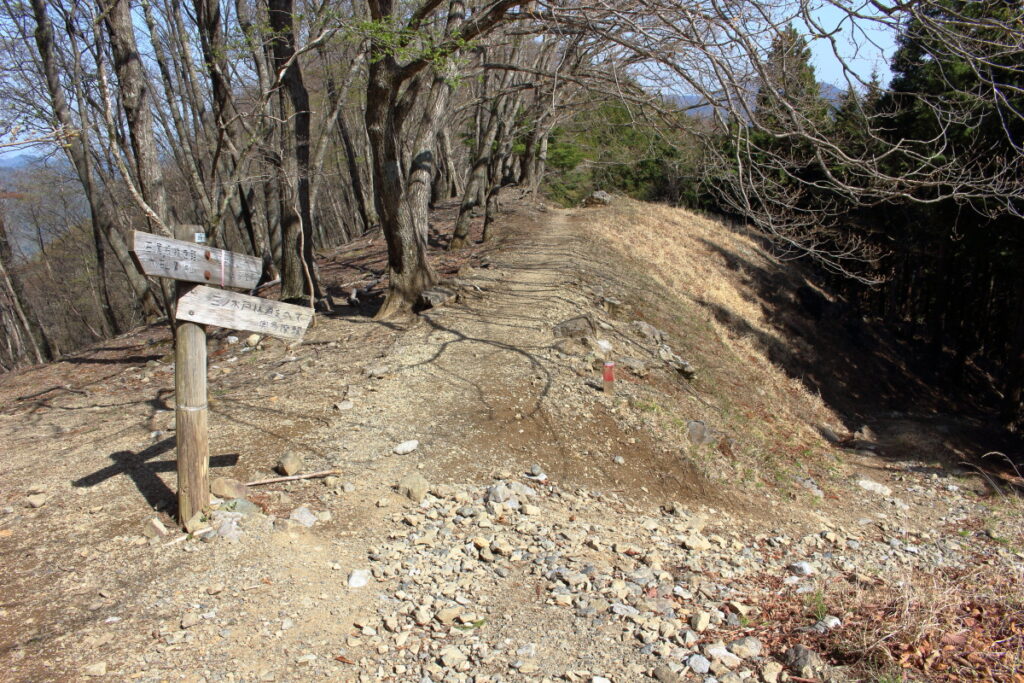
188	262
242	312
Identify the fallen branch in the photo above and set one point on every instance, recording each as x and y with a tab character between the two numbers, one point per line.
294	477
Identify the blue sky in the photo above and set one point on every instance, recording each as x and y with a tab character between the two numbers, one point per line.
863	47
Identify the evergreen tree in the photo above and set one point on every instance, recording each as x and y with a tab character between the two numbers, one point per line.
965	251
789	89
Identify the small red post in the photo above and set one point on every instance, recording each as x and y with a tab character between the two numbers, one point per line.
609	377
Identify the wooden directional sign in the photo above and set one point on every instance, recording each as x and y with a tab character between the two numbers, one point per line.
164	257
242	312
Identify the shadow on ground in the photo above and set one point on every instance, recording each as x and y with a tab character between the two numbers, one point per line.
904	391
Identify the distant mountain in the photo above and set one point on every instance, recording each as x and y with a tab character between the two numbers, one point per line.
696	105
831	92
15	161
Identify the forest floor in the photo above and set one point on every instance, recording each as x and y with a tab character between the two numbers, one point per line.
802	507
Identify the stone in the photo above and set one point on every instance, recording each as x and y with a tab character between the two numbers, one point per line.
527	666
828	623
344	405
95	670
699	664
413	486
746	648
635	366
36	500
717	652
358	578
499	493
154	528
802	568
241	506
289	464
406	447
253	340
435	297
599	198
195	522
699	433
874	487
770	672
648	330
672	360
700	621
447	615
303	515
227	488
811	485
189	619
865	433
663	674
696	542
804	662
376	371
580	326
452	656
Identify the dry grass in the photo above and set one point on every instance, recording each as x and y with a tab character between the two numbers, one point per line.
714	275
947	626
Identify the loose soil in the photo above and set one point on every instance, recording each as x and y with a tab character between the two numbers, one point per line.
486	389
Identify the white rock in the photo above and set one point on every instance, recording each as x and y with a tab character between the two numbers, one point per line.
802	568
97	669
154	528
303	516
358	578
406	447
874	487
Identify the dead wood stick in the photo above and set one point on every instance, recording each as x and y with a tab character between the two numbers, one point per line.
294	477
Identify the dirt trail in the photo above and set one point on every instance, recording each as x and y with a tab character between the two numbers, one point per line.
488	391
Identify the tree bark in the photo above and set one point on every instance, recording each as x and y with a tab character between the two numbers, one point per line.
100	210
136	101
409	272
298	273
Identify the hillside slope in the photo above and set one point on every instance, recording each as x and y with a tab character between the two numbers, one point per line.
662	524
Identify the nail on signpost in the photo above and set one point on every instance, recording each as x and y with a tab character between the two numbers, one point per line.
187	263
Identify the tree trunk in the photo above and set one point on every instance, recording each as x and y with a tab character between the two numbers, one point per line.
409	272
298	274
424	165
135	99
101	213
16	301
477	181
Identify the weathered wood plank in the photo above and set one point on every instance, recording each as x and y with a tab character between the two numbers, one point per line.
242	312
164	257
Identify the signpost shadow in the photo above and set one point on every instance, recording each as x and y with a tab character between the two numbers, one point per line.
144	474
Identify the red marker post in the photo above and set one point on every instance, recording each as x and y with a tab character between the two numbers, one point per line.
609	377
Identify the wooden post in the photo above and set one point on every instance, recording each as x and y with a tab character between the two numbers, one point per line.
190	410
